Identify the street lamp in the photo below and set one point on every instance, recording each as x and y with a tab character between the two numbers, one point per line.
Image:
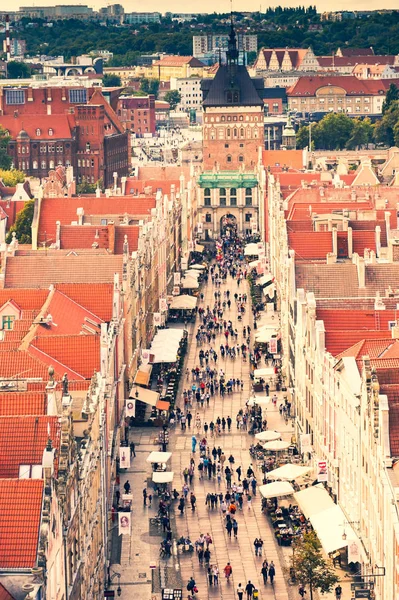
110	579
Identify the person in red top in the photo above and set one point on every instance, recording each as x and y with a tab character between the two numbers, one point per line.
228	571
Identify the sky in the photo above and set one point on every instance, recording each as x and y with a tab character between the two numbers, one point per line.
209	5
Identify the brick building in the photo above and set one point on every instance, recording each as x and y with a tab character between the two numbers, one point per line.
137	114
64	126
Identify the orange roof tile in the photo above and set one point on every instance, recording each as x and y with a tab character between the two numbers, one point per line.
62	126
42	271
23	440
27	299
362	240
353	343
96	297
132	233
20	516
4	594
344	319
80	353
23	403
315	245
21	365
286	158
74	237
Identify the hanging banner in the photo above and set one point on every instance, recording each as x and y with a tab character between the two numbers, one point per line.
190	246
124	457
125	521
322	472
306	442
156	319
145	357
130	408
273	346
200	228
163	305
176	278
176	290
353	551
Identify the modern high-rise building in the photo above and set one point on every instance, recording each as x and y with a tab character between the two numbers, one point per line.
211	47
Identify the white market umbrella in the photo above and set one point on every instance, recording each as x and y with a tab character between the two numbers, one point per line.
277	445
158	457
199	267
275	489
259	401
269	436
162	476
288	472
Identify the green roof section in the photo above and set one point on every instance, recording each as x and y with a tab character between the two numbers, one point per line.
227	179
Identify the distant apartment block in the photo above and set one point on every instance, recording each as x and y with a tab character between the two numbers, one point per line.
208	48
190	92
17	47
61	11
138	18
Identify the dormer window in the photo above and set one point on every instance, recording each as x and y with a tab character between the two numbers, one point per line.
7	322
50	132
38	132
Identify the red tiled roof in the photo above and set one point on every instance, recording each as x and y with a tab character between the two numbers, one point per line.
23	440
132	233
74	237
178	61
362	240
22	403
21	365
20	517
96	297
61	125
308	86
370	226
293	226
336	319
348	343
382	348
41	271
27	299
353	60
80	353
308	246
288	158
4	594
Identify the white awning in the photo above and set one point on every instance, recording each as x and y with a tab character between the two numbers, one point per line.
183	302
269	290
276	489
189	283
162	476
144	395
263	336
198	267
199	247
266	372
166	344
192	273
259	401
158	457
288	472
264	279
269	436
253	264
329	525
314	500
251	250
277	446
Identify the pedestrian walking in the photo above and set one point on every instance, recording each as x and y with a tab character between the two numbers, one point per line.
145	497
338	592
249	589
132	450
215	575
210	576
193	443
228	571
264	571
302	591
240	591
272	572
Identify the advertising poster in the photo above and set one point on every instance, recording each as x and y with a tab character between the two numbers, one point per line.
322	473
124	457
306	442
125	521
273	346
157	319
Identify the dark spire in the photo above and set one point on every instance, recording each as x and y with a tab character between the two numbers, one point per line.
232	51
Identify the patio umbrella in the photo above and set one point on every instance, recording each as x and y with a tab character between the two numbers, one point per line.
288	471
162	476
269	436
259	400
275	489
277	445
198	267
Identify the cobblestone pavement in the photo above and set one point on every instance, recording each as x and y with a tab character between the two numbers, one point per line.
141	552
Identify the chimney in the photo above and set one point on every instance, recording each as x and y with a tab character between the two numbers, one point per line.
373	257
111	237
123	186
361	272
335	241
80	213
104	349
387	216
395	332
378	302
350	242
378	239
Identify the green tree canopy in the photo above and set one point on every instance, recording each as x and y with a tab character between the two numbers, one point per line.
149	86
5	160
12	177
110	80
336	132
23	224
18	70
311	568
173	97
384	130
392	96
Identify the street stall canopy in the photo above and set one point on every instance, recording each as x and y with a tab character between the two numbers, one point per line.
259	401
158	457
266	278
313	500
192	273
276	489
288	472
144	395
183	302
143	375
269	436
329	525
189	283
162	476
166	344
269	290
277	445
263	336
266	372
198	267
162	405
251	250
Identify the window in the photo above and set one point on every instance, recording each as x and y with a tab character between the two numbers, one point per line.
34	164
104	221
51	164
248	197
208	218
233	197
51	131
275	107
228	133
242	132
15	96
248	217
235	132
79	163
241	158
38	132
78	96
207	197
222	196
229	158
241	118
7	322
266	108
226	145
43	164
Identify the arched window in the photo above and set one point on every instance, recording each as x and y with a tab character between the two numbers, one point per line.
23	165
235	132
228	132
255	132
222	196
207	197
213	134
248	132
229	158
51	164
23	149
38	132
248	197
236	97
50	131
242	132
223	118
43	164
241	158
34	164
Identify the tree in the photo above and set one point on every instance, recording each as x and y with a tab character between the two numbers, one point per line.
18	70
173	97
302	137
149	86
87	188
110	80
392	96
362	134
5	160
384	129
23	224
311	568
11	178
